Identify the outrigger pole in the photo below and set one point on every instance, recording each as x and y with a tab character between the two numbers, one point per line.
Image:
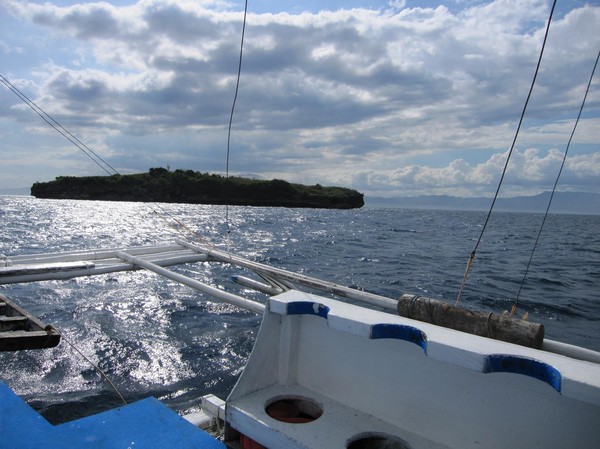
268	272
51	266
193	283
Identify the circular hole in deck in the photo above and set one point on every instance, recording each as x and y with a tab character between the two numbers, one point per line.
294	410
376	441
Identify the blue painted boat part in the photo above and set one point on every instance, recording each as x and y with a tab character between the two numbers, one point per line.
147	424
400	332
496	363
307	308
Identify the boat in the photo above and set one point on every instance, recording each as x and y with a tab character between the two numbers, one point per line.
334	367
19	330
326	373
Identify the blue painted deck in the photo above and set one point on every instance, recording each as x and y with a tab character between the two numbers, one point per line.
146	424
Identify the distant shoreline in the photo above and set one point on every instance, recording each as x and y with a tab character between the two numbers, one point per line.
577	203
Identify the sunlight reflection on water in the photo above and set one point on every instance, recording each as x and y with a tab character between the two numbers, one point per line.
155	337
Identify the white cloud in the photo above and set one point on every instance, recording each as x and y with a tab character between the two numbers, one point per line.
531	171
391	100
398	4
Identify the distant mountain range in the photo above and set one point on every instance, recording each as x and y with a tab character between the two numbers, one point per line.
563	203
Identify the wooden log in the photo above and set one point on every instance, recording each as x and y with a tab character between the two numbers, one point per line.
484	324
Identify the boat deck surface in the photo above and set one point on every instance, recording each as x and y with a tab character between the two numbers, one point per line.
144	424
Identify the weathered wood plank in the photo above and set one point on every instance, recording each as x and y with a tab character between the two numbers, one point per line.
20	330
11	323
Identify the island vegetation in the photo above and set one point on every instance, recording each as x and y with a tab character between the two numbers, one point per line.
187	186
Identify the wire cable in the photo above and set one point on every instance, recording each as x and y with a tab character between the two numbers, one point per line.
512	147
87	359
237	88
555	185
97	159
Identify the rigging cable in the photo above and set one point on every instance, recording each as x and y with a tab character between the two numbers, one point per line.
95	157
87	359
237	88
512	147
514	307
59	128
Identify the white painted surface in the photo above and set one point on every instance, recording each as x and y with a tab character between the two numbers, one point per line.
438	399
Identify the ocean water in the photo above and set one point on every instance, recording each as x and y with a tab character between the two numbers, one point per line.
155	337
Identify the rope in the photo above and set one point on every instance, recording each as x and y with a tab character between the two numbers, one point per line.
469	263
109	169
95	157
59	128
237	88
96	367
411	305
512	147
555	185
488	325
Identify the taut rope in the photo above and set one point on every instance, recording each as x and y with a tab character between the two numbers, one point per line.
512	147
555	184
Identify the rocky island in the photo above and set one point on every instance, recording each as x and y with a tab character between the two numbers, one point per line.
187	186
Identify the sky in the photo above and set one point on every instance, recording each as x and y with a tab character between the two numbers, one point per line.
392	98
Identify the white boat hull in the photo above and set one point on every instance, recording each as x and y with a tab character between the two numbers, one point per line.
435	393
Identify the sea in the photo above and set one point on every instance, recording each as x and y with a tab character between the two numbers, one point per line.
153	337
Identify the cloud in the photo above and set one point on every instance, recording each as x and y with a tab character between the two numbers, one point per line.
397	98
530	171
